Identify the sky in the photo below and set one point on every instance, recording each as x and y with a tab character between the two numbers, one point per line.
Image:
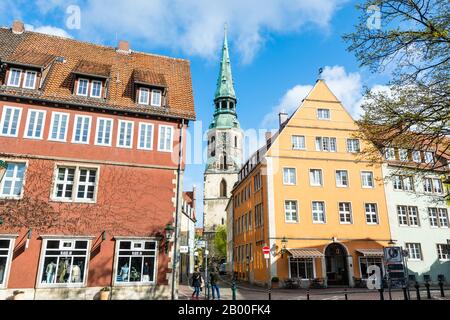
276	49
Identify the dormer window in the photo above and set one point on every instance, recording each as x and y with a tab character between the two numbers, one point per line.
82	89
89	88
144	96
14	77
156	98
96	89
30	79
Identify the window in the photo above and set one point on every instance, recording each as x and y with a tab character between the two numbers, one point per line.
433	215
398	183
442	251
416	156
10	121
6	249
365	262
82	129
144	96
11	185
341	178
323	114
353	145
371	213
403	154
14	77
257	182
259	219
250	224
318	212
290	210
300	268
156	98
443	218
367	179
64	262
223	188
34	128
403	183
82	89
145	136
390	154
429	157
315	177
289	176
345	212
414	250
437	186
326	144
30	79
75	184
58	127
96	89
166	139
298	143
125	134
428	185
408	216
104	132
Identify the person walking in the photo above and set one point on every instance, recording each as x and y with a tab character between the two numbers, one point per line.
196	283
214	279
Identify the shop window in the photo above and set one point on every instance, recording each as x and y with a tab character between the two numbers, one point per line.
6	247
301	268
136	262
365	262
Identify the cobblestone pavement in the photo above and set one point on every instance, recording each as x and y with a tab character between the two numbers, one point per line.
249	292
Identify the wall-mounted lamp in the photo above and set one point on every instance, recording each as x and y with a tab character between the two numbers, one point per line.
103	235
169	231
284	241
29	233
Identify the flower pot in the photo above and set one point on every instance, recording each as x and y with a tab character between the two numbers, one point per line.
104	295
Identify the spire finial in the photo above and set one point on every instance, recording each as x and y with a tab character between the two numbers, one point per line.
320	73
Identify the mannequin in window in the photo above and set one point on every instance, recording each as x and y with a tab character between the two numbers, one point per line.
50	272
123	275
62	270
76	273
2	272
146	273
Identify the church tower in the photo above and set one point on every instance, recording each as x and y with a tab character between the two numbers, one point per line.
225	142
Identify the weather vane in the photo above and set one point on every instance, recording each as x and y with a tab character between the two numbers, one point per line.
320	73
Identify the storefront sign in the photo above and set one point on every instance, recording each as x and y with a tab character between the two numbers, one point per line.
184	249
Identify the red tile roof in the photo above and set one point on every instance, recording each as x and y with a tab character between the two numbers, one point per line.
99	60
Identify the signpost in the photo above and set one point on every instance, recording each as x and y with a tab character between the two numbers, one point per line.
266	251
394	258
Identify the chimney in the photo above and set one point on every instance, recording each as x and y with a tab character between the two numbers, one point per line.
124	47
268	136
282	116
18	27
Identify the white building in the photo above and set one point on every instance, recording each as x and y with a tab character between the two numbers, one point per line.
187	235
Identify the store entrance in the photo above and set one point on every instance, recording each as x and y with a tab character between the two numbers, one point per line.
336	265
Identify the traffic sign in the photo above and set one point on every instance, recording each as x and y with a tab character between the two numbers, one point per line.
266	251
201	243
184	249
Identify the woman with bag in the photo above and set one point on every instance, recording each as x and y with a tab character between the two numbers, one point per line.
196	283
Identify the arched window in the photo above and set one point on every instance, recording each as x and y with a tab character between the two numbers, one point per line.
235	142
223	161
213	146
224	104
223	188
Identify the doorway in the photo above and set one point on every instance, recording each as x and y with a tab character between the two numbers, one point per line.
336	265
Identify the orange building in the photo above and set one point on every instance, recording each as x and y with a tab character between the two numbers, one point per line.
310	197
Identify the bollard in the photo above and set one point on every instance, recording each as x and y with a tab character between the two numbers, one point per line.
270	293
427	285
345	294
381	290
417	290
307	295
207	290
233	289
405	294
441	286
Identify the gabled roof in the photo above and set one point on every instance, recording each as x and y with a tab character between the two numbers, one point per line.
88	58
150	78
30	58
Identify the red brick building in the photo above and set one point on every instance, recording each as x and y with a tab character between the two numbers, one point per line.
91	137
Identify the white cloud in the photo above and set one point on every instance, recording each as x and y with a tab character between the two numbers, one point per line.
54	31
346	86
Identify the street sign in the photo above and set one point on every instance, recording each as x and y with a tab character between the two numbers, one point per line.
184	249
201	243
266	251
206	252
393	254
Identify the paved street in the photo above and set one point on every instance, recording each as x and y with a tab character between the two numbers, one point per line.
247	292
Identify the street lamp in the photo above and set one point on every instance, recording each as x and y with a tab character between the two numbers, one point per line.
3	167
284	241
169	229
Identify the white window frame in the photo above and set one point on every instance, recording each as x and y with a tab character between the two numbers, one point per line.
415	155
61	114
439	211
408	247
313	263
145	125
351	146
78	87
425	157
104	132
404	212
345	213
389	153
83	122
126	123
116	262
425	185
26	73
362	180
377	215
320	114
337	180
6	271
3	119
290	212
2	182
172	130
441	187
295	146
10	77
92	88
27	124
311	177
74	198
43	256
152	102
288	182
403	155
433	219
442	252
147	101
324	212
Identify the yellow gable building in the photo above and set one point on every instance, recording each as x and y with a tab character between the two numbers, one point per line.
310	197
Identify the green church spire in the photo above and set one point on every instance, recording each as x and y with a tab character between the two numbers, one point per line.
225	87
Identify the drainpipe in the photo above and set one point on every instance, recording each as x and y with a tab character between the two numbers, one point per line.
175	241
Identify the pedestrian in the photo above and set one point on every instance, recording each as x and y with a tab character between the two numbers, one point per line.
214	279
196	283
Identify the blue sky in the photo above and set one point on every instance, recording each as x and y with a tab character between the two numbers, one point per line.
276	48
